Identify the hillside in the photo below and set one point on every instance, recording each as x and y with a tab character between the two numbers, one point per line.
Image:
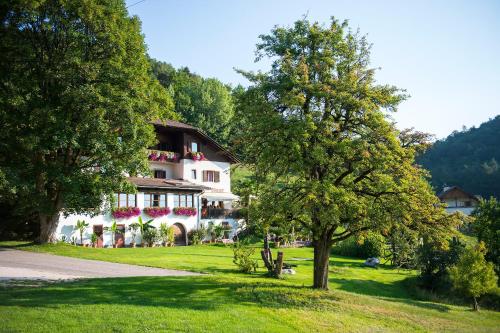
469	159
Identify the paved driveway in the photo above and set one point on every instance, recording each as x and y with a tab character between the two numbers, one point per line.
15	264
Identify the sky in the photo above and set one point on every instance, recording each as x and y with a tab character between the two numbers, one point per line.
446	54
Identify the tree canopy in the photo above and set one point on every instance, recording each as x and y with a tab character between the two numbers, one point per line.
206	103
323	151
76	99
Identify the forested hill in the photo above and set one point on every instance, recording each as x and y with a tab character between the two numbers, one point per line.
469	159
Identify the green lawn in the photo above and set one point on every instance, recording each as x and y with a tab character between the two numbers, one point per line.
361	299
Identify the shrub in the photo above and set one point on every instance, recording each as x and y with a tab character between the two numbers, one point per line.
196	236
93	239
150	236
433	261
167	234
473	276
487	229
242	258
364	246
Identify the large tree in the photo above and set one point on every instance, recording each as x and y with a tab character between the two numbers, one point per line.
323	150
76	99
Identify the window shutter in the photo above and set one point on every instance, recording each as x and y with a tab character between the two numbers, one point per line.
205	175
216	176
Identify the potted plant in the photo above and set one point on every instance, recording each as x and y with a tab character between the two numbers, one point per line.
81	225
114	230
93	239
144	226
149	237
133	228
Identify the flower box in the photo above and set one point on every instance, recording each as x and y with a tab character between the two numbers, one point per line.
163	156
197	156
125	212
156	211
185	211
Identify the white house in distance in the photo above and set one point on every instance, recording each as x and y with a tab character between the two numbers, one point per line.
457	200
191	184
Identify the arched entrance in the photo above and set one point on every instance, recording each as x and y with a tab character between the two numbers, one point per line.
180	234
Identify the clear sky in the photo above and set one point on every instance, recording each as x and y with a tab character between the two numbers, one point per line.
446	54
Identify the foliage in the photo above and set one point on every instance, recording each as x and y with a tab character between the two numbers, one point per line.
81	226
324	152
114	230
93	239
196	236
150	236
218	231
487	229
473	275
363	246
76	100
206	103
125	212
469	159
186	211
402	247
144	226
434	258
242	257
166	234
156	211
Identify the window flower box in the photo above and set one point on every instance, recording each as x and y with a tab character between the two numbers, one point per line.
163	156
125	212
185	211
197	156
156	211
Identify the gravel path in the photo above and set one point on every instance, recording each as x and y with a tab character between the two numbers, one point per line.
23	265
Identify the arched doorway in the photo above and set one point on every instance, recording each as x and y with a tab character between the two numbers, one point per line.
180	234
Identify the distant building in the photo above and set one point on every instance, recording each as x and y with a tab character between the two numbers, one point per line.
457	200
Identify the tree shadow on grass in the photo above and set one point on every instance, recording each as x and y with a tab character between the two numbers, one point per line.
194	293
397	291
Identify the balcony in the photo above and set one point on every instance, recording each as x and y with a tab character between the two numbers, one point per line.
163	156
219	213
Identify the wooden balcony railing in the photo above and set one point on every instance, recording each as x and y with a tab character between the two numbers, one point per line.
219	213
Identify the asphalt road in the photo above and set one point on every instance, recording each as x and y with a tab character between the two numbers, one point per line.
23	265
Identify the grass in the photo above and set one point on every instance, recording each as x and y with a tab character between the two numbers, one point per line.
361	299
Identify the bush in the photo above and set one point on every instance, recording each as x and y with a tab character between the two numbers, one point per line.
473	276
433	261
364	246
150	236
242	258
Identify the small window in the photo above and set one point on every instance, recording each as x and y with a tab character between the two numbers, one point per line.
124	200
193	174
160	174
155	200
211	176
183	200
194	147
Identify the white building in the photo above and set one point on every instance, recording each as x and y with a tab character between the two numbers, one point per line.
457	200
191	185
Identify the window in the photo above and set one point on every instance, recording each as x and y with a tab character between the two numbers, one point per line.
155	200
194	147
160	174
125	200
163	146
183	200
211	176
193	174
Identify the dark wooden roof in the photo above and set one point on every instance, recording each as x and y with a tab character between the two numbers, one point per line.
170	184
188	128
453	192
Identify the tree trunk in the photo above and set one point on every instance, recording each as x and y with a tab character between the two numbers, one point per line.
48	226
476	305
322	249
